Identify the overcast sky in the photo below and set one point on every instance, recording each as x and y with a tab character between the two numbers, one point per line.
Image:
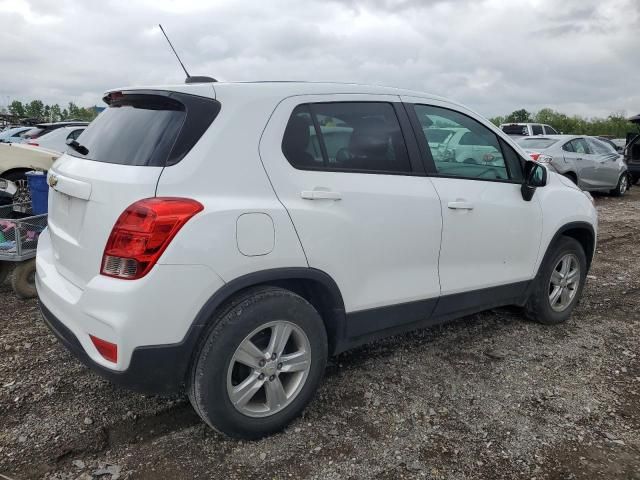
577	56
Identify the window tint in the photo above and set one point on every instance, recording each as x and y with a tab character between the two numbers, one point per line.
473	151
515	129
147	129
359	136
75	134
599	147
580	146
536	129
568	147
550	130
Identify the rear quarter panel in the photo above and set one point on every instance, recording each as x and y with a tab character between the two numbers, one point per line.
224	172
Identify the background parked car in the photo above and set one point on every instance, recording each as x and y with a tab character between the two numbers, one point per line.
527	129
16	160
13	134
56	140
44	128
613	143
590	163
632	152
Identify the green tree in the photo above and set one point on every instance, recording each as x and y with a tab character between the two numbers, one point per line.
518	116
56	113
17	108
497	121
35	109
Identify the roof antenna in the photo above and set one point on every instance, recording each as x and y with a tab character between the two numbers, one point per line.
189	79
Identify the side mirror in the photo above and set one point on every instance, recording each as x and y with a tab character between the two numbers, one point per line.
535	175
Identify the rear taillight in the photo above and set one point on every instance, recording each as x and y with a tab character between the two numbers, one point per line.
142	232
108	350
541	157
534	156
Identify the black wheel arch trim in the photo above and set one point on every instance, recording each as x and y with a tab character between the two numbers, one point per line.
575	226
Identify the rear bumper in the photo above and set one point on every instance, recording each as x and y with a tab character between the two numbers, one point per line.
150	319
158	369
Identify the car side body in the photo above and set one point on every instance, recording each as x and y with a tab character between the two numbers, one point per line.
56	140
18	159
13	134
594	165
290	203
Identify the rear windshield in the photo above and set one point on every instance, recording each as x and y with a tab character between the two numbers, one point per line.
33	133
146	129
515	129
536	142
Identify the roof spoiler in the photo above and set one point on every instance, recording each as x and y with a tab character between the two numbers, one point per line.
199	79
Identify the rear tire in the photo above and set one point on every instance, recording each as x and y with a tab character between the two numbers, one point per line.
543	305
276	391
23	280
622	187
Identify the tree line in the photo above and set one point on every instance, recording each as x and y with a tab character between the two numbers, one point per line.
615	124
36	109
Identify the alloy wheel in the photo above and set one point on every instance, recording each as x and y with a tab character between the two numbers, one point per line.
624	184
269	369
564	282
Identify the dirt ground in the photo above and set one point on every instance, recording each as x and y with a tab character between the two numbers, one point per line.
490	396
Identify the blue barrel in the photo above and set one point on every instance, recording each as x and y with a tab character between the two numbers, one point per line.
39	192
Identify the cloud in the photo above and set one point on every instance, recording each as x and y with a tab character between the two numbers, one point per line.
578	56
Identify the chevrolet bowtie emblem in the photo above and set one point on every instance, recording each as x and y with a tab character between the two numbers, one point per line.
53	181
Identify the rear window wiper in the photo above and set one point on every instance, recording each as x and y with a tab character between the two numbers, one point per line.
81	149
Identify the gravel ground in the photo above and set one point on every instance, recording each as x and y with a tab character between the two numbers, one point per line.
487	396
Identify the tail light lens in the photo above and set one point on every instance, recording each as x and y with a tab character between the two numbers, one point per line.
142	232
541	157
108	350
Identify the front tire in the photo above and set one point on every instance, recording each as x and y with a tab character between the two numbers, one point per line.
559	283
622	187
260	364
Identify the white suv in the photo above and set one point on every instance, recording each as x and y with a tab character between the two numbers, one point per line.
226	238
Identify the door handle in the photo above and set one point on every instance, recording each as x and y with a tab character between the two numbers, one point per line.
320	195
578	158
460	205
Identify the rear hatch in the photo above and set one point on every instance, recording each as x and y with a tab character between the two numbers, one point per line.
115	162
632	148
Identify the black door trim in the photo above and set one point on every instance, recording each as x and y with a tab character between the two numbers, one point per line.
367	325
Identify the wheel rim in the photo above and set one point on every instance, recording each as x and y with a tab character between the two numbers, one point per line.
564	283
268	369
623	184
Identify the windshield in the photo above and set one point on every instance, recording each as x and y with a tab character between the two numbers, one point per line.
149	129
539	143
515	129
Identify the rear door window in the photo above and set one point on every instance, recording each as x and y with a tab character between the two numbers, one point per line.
580	146
550	130
536	129
346	136
146	128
